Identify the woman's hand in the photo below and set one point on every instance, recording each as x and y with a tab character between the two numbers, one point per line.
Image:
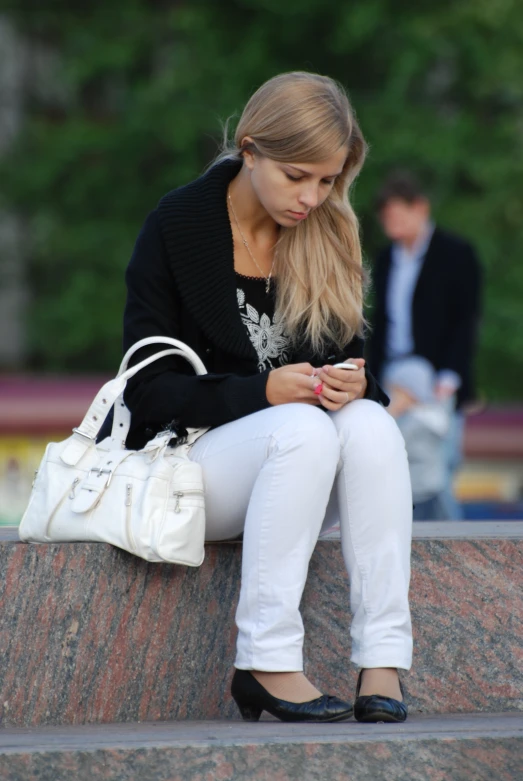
342	385
293	383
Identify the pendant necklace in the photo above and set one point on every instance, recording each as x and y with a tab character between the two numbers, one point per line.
267	279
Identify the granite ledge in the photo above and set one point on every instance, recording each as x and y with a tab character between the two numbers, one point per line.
91	737
422	530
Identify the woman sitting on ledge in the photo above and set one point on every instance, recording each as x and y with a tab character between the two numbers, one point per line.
257	266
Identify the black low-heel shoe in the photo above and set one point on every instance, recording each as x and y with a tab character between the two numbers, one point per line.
374	707
251	698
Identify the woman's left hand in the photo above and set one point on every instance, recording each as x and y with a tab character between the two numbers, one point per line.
341	385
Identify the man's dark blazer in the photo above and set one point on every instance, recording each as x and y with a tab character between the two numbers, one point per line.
445	309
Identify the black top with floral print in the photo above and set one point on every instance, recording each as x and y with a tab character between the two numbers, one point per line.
264	326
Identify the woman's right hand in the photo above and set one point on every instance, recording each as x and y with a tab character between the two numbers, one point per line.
292	383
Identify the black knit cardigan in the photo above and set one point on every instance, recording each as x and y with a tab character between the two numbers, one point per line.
181	283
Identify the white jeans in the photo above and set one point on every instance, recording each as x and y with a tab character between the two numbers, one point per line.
282	474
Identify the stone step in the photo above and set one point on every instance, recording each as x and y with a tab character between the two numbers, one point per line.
91	634
473	747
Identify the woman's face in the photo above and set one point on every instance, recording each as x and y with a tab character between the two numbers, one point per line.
290	191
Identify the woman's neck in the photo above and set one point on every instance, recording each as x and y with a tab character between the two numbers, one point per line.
252	216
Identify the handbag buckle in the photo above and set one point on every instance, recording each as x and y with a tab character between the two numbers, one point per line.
101	471
81	434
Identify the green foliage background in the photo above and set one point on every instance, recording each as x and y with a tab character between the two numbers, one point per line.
144	85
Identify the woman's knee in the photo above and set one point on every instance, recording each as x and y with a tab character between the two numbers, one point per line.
367	430
309	432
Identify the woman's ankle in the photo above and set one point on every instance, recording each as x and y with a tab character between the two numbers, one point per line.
383	681
289	686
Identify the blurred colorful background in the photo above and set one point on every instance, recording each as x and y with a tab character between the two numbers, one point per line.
106	106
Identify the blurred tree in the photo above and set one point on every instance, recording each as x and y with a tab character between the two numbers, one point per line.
128	105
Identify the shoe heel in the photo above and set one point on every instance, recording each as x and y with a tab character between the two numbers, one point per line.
249	712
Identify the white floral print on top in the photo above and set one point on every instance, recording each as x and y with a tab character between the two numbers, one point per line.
268	337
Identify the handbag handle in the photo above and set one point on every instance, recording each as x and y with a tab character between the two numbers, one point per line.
184	350
122	416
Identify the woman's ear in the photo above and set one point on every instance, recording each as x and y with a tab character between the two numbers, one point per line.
248	148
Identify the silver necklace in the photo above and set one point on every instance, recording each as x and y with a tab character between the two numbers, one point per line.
268	279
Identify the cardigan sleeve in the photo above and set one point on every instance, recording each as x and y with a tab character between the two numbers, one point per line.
374	391
168	391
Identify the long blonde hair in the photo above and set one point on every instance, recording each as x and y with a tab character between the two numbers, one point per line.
304	117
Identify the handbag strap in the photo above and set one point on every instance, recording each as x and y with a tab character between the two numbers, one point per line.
85	434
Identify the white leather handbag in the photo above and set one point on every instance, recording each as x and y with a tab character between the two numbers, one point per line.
149	502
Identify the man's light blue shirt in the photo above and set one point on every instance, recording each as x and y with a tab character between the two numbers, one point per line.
404	272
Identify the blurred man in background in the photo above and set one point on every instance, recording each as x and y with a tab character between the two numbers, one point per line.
427	287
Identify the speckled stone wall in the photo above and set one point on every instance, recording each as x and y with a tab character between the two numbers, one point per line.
89	633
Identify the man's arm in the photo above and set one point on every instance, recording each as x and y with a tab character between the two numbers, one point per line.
466	296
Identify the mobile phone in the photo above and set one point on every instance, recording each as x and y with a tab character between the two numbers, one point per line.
351	366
